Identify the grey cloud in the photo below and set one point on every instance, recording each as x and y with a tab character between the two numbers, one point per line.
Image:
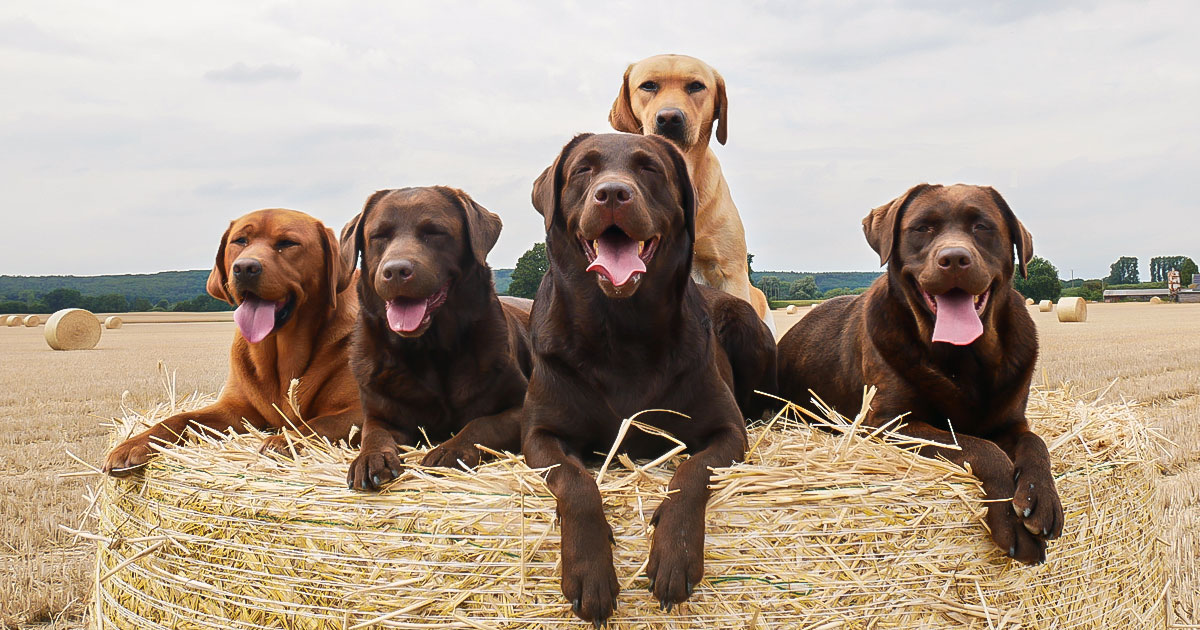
24	34
241	73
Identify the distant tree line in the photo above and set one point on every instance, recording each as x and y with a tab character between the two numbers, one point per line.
61	298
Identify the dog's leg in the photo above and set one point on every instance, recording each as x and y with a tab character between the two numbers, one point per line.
1036	501
136	451
378	460
589	580
992	466
676	562
499	432
333	427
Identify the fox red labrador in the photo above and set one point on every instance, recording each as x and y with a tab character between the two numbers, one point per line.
296	305
619	327
435	352
943	336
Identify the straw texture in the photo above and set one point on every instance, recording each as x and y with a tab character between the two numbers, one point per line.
72	329
817	529
1072	309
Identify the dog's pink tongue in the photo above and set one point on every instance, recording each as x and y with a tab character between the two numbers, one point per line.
255	318
404	315
617	258
956	321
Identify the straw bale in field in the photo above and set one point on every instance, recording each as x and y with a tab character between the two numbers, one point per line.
1028	301
1156	300
31	320
1045	306
12	320
1072	309
791	309
112	321
817	529
72	329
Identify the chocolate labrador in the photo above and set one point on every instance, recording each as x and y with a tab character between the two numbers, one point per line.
619	327
944	337
295	308
435	352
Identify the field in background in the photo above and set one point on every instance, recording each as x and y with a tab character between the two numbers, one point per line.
54	402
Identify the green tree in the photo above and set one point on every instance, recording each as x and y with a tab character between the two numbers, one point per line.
1092	290
1042	283
771	286
1187	269
750	264
110	303
804	288
1124	271
141	304
527	275
59	299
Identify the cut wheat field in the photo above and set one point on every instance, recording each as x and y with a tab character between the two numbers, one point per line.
52	405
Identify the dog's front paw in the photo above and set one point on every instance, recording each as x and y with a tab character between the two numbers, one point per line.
278	444
676	562
128	455
372	469
589	580
1036	502
453	453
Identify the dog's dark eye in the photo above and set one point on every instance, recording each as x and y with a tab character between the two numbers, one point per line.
979	227
580	170
649	168
923	229
241	240
432	231
695	86
649	86
284	244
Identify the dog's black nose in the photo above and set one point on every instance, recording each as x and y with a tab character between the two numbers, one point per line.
246	269
669	120
398	269
954	258
613	194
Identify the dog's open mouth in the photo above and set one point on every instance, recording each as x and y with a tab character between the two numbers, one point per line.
409	316
617	257
256	318
956	315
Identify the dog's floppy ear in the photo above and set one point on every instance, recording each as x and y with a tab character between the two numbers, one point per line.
351	242
880	225
548	186
687	192
337	274
721	110
1021	237
218	278
621	115
483	226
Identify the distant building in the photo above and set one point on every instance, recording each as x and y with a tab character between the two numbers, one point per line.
1138	295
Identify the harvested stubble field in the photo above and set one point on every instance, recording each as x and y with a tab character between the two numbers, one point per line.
52	403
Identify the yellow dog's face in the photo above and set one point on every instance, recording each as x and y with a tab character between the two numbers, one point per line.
673	96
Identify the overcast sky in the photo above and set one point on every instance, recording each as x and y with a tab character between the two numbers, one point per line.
132	132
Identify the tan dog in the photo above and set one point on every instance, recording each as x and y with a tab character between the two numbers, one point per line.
679	98
296	307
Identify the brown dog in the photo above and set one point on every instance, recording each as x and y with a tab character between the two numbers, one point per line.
619	327
943	335
435	351
296	306
679	98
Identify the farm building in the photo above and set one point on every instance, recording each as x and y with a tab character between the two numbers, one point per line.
1138	295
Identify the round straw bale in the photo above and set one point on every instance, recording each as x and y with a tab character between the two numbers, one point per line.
791	309
1045	306
1156	300
1029	302
1072	309
31	320
112	321
72	329
815	529
12	320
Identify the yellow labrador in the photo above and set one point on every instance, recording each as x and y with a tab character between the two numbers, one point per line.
680	98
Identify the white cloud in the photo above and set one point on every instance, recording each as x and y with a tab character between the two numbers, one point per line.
134	132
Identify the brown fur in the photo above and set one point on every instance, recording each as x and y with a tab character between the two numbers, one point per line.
720	249
460	377
883	339
310	345
603	353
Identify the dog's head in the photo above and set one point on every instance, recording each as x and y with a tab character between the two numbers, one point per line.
621	206
416	244
673	96
952	247
274	263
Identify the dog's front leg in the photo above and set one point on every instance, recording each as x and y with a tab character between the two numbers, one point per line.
499	432
676	563
589	580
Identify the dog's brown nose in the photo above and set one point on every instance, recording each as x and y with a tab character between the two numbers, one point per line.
668	120
398	269
246	269
613	194
954	258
